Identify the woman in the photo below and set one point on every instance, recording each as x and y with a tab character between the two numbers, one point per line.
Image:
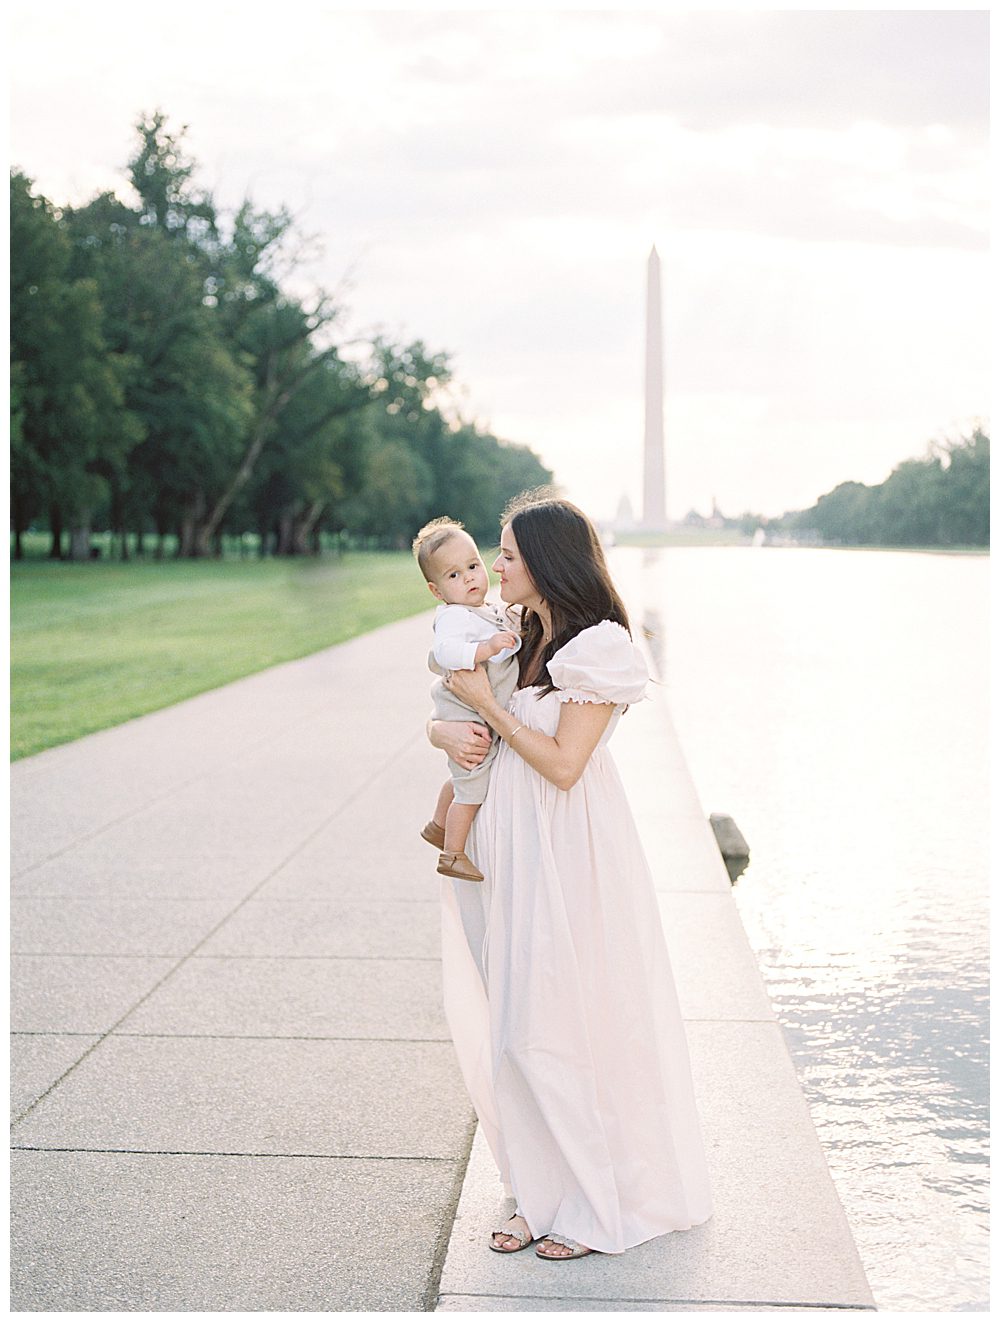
558	987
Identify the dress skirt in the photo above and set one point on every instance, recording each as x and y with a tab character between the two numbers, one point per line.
559	992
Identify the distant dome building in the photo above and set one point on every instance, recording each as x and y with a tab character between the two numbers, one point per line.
625	520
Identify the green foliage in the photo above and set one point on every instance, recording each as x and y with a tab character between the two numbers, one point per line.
940	500
161	175
72	430
423	462
966	491
164	381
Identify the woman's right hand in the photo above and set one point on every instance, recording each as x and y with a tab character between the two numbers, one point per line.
465	742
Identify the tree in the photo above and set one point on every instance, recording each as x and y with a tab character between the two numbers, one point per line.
309	462
27	470
907	509
965	490
220	350
192	393
73	430
203	396
161	175
275	342
422	463
843	514
939	500
396	494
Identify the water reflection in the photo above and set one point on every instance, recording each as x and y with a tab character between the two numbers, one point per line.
834	703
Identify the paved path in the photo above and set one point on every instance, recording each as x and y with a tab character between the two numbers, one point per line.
233	1085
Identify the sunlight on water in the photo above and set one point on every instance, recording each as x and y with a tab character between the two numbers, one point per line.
834	703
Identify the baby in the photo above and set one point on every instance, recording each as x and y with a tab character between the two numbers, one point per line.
466	631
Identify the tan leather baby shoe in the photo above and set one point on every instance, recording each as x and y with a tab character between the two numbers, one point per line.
433	834
458	865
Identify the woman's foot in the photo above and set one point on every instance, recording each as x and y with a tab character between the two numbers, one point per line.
557	1247
512	1236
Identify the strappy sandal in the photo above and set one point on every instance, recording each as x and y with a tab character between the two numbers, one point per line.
523	1237
433	834
578	1250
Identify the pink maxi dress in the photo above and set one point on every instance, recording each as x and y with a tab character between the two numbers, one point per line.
558	988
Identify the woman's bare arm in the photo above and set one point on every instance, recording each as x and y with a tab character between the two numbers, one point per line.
465	742
561	757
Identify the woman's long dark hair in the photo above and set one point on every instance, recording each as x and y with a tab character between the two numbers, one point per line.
563	554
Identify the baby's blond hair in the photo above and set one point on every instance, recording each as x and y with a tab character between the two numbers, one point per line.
431	537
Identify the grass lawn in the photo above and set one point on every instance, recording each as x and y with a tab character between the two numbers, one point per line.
95	644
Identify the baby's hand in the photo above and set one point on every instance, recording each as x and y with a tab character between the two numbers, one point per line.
503	640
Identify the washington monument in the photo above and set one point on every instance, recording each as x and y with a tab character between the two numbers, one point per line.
654	491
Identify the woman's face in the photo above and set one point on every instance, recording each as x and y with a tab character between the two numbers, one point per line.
516	587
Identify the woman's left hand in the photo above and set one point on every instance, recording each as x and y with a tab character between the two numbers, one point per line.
471	687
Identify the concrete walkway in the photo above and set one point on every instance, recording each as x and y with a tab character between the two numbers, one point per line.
233	1087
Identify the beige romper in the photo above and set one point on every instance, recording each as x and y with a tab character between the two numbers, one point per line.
463	633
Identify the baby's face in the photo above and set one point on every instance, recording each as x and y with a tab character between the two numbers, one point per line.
458	573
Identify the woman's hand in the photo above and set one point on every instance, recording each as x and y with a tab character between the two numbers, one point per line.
471	687
465	742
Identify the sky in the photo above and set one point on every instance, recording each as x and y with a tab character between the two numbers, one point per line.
490	181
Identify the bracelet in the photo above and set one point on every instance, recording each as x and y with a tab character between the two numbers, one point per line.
510	737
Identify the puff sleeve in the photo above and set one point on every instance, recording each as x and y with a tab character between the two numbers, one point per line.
601	664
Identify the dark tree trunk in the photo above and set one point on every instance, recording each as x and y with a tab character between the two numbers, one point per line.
305	524
162	529
118	522
286	532
79	540
20	523
240	479
185	537
56	524
192	530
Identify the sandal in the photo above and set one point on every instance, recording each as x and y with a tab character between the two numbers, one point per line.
577	1250
524	1237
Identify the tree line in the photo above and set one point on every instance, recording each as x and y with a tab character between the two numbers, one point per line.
942	499
167	386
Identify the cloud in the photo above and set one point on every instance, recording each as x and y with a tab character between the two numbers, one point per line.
816	182
821	69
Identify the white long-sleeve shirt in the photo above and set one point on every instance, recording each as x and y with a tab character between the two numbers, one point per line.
458	631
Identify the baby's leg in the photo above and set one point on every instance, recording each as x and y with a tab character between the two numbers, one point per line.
457	826
443	804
